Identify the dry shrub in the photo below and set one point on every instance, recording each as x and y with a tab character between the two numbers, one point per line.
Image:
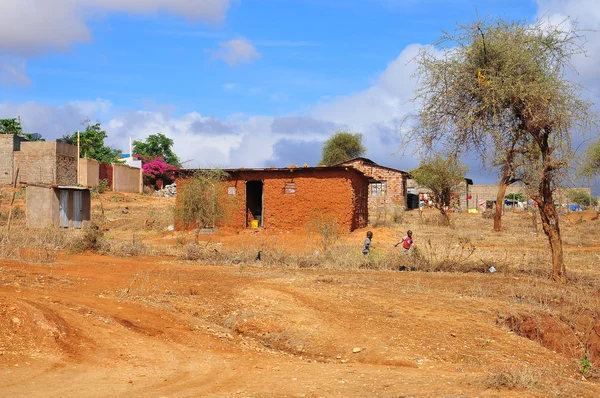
509	377
455	256
90	238
387	215
40	247
326	227
128	248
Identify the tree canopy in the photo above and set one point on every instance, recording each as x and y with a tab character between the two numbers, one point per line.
13	126
500	89
91	144
591	165
157	146
10	126
442	176
342	146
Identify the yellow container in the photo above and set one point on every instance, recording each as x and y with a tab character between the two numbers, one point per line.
254	224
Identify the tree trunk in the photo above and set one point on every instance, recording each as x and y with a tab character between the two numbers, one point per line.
500	205
549	218
548	213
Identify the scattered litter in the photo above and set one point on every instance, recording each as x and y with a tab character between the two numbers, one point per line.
171	228
492	269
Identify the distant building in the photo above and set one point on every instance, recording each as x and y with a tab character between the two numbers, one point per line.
463	197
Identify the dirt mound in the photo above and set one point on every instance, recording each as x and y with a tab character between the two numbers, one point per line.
581	216
32	329
553	333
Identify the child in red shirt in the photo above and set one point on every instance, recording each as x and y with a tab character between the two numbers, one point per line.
407	241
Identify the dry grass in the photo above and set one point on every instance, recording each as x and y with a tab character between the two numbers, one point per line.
513	378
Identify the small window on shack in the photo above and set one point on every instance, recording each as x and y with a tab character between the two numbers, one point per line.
231	191
290	188
378	188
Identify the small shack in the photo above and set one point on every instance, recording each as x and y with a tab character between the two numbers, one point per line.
58	206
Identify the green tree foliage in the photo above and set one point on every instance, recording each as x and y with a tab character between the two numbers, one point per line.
501	87
201	199
13	126
581	198
442	176
342	146
91	144
591	165
155	146
517	197
10	126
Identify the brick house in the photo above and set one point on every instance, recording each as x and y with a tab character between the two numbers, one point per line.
387	188
287	198
37	161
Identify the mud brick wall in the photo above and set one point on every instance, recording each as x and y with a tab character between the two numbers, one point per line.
8	144
105	172
340	192
47	163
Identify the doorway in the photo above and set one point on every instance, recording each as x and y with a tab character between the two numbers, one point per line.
254	203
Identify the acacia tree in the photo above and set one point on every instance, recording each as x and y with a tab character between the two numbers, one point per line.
500	83
442	176
591	165
342	146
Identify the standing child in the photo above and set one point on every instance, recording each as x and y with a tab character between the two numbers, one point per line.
407	242
367	244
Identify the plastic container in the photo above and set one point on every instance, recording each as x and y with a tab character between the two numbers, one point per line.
254	224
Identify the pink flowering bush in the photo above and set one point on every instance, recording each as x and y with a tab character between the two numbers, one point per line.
156	168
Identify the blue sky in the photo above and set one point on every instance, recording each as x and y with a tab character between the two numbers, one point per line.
236	82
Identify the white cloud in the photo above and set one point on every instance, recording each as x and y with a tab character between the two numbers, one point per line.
236	52
229	86
387	99
54	121
586	13
33	26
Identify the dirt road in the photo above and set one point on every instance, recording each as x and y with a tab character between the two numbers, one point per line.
98	326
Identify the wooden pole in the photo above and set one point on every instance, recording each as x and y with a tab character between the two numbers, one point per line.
10	211
78	149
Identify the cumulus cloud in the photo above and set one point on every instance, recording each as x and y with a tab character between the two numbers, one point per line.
586	13
54	121
236	52
387	99
31	26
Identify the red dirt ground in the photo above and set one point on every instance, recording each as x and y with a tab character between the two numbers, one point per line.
101	326
98	326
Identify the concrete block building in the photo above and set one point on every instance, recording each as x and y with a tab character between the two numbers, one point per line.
37	161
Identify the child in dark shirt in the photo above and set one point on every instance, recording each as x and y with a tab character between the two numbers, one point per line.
367	244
